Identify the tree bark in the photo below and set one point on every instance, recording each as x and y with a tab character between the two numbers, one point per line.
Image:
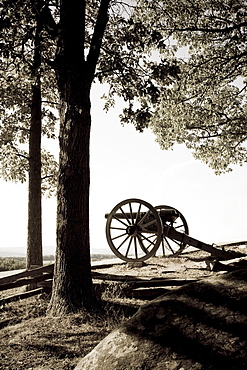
34	239
34	246
72	285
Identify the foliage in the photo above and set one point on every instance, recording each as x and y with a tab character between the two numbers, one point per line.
198	100
99	257
206	107
128	64
7	264
16	79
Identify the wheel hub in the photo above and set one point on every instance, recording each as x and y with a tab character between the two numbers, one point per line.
132	230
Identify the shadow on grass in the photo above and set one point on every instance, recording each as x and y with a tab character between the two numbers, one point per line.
203	323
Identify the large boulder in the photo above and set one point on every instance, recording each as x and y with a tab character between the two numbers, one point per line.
202	325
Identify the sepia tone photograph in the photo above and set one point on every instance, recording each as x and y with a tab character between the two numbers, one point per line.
123	177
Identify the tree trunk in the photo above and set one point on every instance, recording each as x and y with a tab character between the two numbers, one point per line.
34	239
34	246
72	284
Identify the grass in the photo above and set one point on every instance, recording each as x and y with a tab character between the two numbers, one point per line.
8	263
31	340
19	263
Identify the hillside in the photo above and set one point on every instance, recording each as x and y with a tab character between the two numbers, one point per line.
30	340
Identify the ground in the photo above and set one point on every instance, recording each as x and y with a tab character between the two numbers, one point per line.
30	340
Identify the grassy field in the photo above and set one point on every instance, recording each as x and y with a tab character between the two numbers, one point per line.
31	340
12	263
19	263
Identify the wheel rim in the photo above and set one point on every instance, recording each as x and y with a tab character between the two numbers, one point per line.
134	230
172	247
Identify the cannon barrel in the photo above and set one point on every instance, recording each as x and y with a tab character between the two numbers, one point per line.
165	215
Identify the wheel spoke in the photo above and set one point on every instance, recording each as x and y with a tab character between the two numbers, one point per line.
125	216
177	242
163	246
177	227
169	246
143	218
128	248
172	246
138	213
131	213
142	245
117	228
150	241
136	254
123	242
118	219
119	236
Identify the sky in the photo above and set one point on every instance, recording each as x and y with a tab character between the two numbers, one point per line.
127	164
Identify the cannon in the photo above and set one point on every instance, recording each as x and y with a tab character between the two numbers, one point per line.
135	230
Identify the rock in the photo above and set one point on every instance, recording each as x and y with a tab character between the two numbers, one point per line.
201	325
134	264
228	265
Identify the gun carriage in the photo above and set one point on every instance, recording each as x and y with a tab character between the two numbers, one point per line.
135	230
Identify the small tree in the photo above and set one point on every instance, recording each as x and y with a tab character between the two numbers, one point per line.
21	57
34	240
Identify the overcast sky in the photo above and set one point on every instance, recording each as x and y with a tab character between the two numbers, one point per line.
127	164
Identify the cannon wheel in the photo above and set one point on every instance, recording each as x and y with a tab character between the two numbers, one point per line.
128	230
172	247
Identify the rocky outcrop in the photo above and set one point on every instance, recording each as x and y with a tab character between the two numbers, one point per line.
202	325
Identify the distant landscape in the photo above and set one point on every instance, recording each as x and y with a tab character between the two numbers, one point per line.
47	251
18	263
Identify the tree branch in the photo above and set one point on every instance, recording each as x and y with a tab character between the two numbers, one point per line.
212	30
46	177
22	156
98	34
